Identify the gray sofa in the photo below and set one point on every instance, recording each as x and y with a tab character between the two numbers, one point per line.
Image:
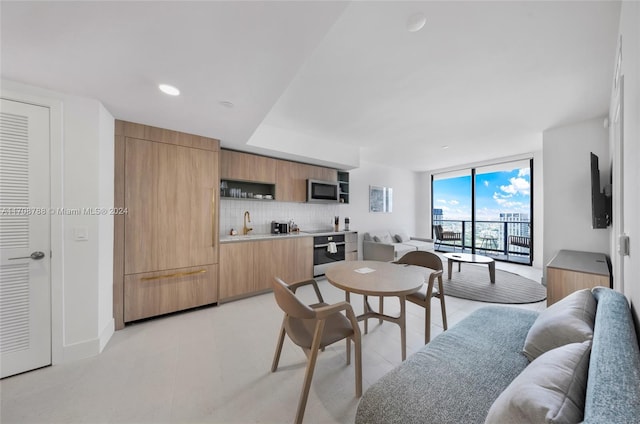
459	376
391	245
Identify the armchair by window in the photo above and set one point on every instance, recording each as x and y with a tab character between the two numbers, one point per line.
446	236
520	241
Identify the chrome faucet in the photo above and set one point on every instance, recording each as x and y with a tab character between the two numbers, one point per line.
247	218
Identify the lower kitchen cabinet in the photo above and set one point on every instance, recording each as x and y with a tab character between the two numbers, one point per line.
248	268
154	293
351	246
236	270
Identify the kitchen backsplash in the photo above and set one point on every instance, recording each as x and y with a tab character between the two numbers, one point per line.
307	216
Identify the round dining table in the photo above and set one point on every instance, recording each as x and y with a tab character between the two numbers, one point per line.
384	279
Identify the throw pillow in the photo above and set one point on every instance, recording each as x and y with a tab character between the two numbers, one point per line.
386	238
570	320
551	389
376	239
402	237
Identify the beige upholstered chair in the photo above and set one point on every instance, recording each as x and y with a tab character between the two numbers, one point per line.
313	328
424	295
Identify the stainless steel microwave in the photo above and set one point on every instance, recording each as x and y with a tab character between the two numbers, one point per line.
322	191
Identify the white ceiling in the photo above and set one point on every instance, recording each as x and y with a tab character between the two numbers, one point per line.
329	82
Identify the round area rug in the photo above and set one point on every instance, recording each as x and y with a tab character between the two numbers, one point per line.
473	283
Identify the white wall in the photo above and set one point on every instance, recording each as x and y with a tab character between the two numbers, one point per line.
567	187
105	224
630	36
423	204
403	216
81	177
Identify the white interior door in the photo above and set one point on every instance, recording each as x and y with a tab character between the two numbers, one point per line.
25	277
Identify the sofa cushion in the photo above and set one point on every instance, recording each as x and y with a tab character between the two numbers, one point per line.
382	237
402	237
550	390
457	376
568	321
401	249
614	367
419	245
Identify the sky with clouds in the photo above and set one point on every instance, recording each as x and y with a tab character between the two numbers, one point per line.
496	192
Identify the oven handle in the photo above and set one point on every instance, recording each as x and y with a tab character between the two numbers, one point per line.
317	246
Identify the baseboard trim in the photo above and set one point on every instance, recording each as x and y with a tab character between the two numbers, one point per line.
106	334
81	350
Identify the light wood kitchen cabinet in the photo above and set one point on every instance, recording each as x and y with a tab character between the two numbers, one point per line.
168	184
321	173
351	246
289	259
237	270
170	198
248	268
291	179
570	271
302	267
247	167
290	182
161	292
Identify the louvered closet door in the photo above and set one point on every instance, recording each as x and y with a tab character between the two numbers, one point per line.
25	305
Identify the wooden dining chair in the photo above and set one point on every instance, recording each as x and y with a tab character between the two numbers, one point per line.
423	296
313	327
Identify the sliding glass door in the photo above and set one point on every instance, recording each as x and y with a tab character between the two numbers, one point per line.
490	206
451	209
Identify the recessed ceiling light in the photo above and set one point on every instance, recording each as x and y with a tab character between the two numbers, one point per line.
226	103
416	22
445	147
169	89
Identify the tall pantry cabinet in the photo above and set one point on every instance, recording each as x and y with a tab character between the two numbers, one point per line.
166	244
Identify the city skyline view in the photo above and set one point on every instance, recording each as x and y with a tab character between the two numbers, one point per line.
497	192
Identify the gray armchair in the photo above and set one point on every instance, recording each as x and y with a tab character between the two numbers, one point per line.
446	236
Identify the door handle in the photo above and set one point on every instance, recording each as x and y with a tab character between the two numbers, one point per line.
35	256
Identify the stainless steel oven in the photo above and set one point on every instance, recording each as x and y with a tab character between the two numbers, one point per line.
327	250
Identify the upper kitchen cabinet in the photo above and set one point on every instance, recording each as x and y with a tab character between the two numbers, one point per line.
166	245
343	181
291	179
247	167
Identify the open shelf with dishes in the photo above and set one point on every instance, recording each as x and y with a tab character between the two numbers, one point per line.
247	190
343	183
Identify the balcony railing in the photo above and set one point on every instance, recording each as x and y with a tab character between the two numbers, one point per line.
491	238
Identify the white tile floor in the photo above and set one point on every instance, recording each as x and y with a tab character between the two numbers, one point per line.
213	365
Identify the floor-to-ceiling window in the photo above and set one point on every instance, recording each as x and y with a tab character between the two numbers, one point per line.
491	207
452	207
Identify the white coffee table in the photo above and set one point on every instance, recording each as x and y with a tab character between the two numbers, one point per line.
471	259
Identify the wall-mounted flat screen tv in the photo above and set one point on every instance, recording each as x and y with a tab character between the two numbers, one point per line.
600	202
